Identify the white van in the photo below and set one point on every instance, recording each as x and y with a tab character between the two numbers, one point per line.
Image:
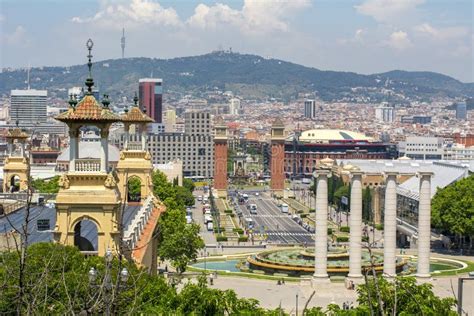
253	209
210	226
284	208
249	223
207	219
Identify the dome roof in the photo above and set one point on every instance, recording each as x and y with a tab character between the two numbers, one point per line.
88	110
325	135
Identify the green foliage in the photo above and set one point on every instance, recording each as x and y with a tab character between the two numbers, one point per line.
342	238
177	241
228	211
365	238
238	230
312	210
453	208
410	299
379	226
345	229
339	193
172	196
243	238
189	184
46	186
134	186
330	231
366	204
221	238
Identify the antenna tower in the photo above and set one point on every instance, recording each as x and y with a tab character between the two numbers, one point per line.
122	42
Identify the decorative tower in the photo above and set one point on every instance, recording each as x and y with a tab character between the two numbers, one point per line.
15	170
122	43
220	157
277	157
88	202
135	160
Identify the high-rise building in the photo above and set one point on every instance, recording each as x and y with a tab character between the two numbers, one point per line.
385	114
150	94
234	106
28	106
197	123
310	109
169	117
461	110
421	147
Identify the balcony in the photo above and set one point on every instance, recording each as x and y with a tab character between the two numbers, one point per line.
134	146
87	165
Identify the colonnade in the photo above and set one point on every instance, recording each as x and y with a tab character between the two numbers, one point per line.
390	225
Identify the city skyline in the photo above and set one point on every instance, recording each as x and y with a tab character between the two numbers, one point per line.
381	35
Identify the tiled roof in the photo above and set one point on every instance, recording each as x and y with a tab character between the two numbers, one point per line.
16	133
88	109
135	115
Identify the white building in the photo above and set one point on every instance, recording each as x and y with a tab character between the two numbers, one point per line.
234	106
385	114
172	170
421	147
28	106
310	109
458	152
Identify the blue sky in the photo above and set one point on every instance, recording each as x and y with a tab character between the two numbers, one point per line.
364	36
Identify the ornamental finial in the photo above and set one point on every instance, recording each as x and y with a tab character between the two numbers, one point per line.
135	99
89	81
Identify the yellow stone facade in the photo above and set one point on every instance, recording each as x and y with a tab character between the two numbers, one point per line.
15	166
134	163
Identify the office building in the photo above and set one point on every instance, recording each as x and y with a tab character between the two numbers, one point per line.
310	109
385	114
195	147
423	148
234	106
28	106
422	119
461	110
150	95
169	118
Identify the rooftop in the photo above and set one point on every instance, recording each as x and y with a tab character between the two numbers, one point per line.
326	135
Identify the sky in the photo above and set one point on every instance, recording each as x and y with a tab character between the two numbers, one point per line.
363	36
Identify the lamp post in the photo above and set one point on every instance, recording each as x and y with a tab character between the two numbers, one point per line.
107	283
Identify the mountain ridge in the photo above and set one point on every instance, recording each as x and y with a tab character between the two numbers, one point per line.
250	76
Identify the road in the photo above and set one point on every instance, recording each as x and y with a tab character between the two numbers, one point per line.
278	227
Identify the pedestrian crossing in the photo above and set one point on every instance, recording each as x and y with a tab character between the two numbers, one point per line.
288	234
269	216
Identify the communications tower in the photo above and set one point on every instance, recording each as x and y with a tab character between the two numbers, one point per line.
122	42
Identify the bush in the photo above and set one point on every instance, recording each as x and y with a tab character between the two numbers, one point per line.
228	211
345	229
221	238
238	230
365	238
379	227
312	210
329	231
299	211
303	215
243	238
216	230
231	215
342	239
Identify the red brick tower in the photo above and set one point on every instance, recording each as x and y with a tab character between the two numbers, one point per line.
220	157
278	157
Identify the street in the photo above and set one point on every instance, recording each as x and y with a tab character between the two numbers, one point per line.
277	226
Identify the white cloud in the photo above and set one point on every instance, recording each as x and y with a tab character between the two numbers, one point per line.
17	37
385	10
358	37
136	12
399	40
442	33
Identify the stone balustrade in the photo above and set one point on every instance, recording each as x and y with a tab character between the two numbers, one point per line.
87	165
134	146
134	230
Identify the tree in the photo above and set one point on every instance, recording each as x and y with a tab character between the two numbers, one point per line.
178	196
189	184
178	241
339	193
367	204
46	186
404	296
453	210
134	187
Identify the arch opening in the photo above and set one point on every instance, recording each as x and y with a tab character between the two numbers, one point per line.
134	189
14	183
86	236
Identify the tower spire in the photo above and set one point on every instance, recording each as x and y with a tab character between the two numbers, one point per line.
89	81
122	42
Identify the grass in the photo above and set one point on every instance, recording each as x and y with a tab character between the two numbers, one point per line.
469	268
249	275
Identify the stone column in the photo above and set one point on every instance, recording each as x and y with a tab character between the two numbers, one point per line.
104	159
10	147
355	241
127	135
321	234
390	224
143	137
73	144
424	225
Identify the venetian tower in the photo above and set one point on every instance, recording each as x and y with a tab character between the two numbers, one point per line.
135	160
277	162
220	157
15	170
88	191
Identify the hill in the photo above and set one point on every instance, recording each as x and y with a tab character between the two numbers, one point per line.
247	75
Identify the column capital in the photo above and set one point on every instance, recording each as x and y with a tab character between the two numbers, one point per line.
421	174
391	173
322	173
356	173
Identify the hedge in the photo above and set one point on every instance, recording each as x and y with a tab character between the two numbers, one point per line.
303	215
299	211
221	238
345	229
243	238
329	231
365	238
312	210
379	227
229	211
342	239
238	230
217	230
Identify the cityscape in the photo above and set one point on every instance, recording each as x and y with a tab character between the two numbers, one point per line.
246	180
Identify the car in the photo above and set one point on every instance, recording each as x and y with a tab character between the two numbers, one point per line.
199	198
210	226
257	194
